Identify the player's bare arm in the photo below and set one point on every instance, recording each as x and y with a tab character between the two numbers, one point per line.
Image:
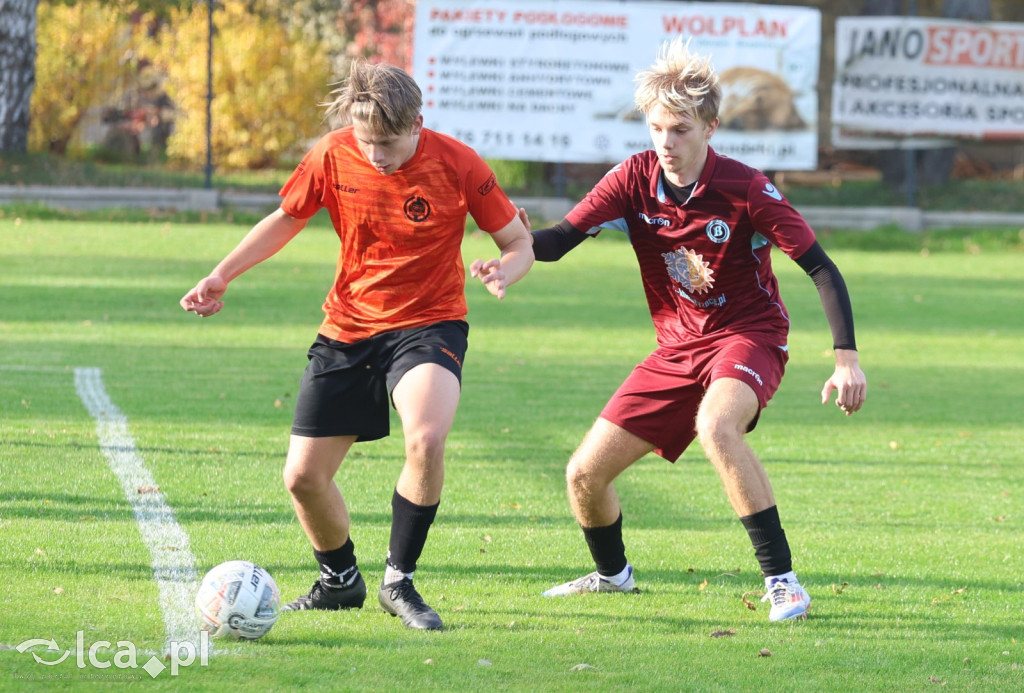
516	247
848	381
265	239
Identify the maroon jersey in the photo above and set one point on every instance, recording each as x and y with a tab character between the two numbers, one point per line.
706	264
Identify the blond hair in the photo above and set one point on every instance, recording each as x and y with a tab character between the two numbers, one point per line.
382	96
681	81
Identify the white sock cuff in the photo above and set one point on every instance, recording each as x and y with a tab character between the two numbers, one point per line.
788	577
620	579
394	575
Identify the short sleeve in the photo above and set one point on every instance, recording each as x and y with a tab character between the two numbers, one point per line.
604	206
488	204
776	219
303	193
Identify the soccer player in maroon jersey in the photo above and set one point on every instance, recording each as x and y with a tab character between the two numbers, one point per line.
394	328
702	226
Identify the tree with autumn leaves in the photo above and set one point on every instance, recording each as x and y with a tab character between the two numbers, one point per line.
142	66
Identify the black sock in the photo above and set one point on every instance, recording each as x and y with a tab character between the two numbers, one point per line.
338	566
409	526
770	546
606	547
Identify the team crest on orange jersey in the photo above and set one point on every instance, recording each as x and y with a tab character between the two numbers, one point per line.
689	269
417	208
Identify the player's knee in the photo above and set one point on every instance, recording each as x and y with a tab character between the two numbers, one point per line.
580	478
425	447
713	431
302	482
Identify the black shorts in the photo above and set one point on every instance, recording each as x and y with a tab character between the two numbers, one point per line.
346	388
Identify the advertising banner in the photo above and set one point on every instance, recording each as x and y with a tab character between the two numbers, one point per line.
914	76
553	81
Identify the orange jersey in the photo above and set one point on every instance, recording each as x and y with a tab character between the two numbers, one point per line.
400	262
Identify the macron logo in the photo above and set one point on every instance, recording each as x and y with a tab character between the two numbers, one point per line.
749	371
772	192
658	221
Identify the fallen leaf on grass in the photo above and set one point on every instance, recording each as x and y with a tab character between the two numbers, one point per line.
765	653
147	489
838	589
749	604
703	585
938	600
933	679
727	633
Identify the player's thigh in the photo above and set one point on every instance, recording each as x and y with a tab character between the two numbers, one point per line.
426	399
729	404
313	462
742	376
424	374
606	451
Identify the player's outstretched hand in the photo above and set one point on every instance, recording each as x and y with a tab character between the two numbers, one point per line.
848	381
205	298
491	275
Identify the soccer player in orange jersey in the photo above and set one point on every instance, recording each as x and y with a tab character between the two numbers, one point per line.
394	322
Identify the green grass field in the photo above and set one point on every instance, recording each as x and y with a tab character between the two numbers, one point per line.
905	520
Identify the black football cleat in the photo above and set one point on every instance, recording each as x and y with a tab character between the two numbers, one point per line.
401	599
327	598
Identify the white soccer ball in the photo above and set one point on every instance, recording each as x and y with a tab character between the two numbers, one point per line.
238	599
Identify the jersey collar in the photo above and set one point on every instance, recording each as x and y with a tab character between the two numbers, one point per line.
702	181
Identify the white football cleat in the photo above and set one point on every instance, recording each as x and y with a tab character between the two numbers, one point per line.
592	583
789	600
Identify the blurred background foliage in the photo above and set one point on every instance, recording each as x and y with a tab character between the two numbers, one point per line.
127	81
119	86
121	89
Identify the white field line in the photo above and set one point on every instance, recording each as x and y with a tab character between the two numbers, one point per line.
173	563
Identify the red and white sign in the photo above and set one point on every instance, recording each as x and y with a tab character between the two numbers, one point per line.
919	76
553	81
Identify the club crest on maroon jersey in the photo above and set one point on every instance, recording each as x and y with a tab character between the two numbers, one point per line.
718	230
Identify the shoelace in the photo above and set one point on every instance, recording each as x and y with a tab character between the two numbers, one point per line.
777	593
588	583
403	589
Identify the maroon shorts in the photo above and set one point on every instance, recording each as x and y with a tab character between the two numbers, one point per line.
658	402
